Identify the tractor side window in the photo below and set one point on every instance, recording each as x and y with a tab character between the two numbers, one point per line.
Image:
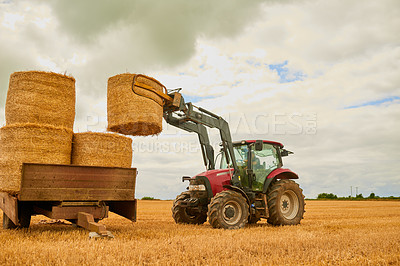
267	158
264	162
223	164
240	156
240	152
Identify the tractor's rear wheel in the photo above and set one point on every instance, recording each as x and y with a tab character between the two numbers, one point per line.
184	215
285	203
228	210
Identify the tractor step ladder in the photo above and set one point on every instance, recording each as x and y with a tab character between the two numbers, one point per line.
261	205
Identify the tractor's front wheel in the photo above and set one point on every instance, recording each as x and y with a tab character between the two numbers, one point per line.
285	203
183	215
228	210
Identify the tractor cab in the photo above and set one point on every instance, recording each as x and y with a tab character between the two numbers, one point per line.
255	158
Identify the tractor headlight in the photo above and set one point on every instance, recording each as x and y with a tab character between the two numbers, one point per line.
197	187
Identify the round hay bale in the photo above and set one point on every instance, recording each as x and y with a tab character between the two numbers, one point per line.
101	149
30	143
134	111
43	98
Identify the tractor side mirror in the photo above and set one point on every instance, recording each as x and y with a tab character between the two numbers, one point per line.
285	152
258	146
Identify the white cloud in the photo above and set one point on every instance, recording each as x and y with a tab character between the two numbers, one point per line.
348	51
10	19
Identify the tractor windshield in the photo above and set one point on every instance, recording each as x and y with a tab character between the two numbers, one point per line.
240	152
262	162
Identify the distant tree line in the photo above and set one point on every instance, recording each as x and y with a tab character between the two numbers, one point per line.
148	198
332	196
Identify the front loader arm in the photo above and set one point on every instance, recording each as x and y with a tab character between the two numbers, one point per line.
185	116
206	148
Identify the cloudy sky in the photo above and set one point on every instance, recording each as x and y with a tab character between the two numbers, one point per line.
321	76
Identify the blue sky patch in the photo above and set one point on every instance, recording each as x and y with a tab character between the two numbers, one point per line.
375	103
236	83
253	63
195	99
285	75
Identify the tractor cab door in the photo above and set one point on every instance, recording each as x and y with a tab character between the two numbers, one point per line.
263	162
241	154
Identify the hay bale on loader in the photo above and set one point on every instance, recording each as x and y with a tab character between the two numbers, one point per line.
132	109
38	97
30	143
101	149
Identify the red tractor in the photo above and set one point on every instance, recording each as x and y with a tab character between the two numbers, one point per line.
250	183
266	190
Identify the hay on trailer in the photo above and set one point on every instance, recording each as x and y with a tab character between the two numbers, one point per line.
101	149
134	111
30	143
43	98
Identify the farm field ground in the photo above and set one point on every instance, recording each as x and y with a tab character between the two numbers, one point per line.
332	232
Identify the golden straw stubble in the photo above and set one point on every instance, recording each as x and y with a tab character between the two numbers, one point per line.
38	97
30	143
101	149
129	113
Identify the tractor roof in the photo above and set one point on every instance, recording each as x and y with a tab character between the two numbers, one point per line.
252	141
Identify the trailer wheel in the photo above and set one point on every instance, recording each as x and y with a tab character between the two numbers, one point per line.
228	210
7	223
183	215
285	203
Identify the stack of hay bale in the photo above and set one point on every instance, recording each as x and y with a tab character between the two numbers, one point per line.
40	113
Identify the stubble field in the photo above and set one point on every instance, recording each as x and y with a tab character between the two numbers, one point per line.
332	232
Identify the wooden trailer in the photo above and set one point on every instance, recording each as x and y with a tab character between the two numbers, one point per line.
80	194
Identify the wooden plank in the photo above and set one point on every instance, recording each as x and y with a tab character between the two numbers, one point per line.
75	194
9	205
71	212
48	176
86	221
42	183
46	182
81	179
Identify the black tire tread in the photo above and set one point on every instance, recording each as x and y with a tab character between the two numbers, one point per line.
216	205
179	215
273	194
